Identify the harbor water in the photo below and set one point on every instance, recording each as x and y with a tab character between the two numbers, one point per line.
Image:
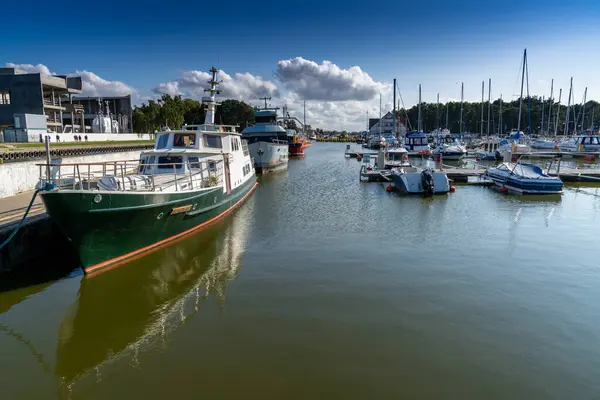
320	286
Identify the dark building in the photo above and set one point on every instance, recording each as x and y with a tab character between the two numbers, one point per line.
119	108
24	93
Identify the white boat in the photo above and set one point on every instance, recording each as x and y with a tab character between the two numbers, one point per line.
524	178
544	144
411	180
488	150
397	157
580	143
449	148
267	142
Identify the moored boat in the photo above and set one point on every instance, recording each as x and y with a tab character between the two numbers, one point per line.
524	178
115	211
397	157
267	141
411	180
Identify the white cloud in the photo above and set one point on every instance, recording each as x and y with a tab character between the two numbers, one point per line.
32	69
240	86
327	81
93	85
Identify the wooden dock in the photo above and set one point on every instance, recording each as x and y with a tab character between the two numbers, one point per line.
566	175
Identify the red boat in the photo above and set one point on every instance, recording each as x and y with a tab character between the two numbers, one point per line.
297	145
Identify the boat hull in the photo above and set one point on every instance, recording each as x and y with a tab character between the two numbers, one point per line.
410	183
110	228
525	186
269	157
297	149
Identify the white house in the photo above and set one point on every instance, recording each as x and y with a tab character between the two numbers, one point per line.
387	124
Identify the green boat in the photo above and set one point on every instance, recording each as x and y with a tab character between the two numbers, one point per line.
115	211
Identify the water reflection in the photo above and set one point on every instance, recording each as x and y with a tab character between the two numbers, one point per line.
135	308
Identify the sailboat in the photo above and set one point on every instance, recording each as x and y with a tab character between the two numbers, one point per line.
192	177
416	141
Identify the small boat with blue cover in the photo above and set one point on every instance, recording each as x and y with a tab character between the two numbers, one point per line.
524	178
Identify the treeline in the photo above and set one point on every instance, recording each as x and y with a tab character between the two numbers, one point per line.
531	116
174	111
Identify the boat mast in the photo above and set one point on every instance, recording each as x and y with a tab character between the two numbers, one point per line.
489	106
379	123
583	109
394	111
482	90
542	121
528	100
304	123
211	104
568	109
500	117
437	114
557	116
420	122
462	92
521	97
551	101
593	115
447	106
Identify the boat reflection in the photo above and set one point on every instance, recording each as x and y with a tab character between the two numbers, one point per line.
134	308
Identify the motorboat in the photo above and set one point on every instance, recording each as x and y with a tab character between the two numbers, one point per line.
397	157
488	150
544	144
267	141
417	142
450	150
524	178
411	180
580	143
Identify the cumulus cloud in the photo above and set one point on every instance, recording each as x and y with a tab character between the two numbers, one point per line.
240	86
31	69
93	85
327	81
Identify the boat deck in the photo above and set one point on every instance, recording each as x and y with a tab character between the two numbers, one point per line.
566	175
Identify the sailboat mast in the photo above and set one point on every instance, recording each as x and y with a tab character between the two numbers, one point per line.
550	104
583	109
437	114
568	109
379	123
420	122
447	105
304	123
593	115
394	111
542	120
489	106
528	99
482	90
500	117
521	97
462	92
557	116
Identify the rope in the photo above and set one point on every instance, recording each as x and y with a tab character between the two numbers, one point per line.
14	232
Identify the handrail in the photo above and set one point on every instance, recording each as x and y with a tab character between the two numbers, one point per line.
117	163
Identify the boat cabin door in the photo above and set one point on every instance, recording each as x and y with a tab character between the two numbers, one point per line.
227	172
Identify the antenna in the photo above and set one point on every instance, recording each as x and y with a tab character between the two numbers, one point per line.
265	99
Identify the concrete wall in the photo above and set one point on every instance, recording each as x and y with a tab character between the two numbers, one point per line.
25	96
23	176
34	137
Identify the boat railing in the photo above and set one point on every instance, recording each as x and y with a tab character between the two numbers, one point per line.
210	128
133	175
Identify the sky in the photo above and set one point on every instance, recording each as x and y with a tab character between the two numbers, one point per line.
338	56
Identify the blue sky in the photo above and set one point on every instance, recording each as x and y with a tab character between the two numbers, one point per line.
436	43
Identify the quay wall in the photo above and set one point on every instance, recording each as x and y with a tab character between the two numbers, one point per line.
23	176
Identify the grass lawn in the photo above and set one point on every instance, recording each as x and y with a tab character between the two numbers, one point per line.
16	146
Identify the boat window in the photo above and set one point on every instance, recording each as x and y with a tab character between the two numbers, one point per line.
194	162
141	166
265	119
184	140
167	162
212	166
162	141
212	141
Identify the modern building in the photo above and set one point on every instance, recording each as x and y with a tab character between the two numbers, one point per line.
386	124
22	93
117	108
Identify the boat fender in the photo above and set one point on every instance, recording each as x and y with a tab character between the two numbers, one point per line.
389	188
427	182
452	189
